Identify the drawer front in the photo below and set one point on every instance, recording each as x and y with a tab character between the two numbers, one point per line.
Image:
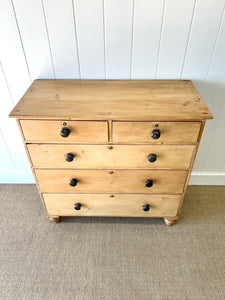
111	181
123	205
77	131
115	156
170	132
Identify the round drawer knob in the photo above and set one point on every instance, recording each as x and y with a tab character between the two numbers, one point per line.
73	182
155	134
148	183
77	206
152	157
65	131
69	157
145	207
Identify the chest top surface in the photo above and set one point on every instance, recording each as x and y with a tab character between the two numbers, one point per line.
134	100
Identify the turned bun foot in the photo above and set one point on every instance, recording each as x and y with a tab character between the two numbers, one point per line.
169	222
55	219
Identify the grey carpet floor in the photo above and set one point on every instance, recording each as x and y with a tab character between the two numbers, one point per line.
112	258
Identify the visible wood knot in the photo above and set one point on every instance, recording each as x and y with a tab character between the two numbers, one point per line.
186	103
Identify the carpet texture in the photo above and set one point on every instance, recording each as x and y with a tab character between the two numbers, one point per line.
112	258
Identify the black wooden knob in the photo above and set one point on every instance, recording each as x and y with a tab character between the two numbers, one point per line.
73	182
155	134
65	131
148	183
146	207
77	206
152	157
69	157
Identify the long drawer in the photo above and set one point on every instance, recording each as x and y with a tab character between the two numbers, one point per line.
65	132
111	181
124	205
115	156
155	132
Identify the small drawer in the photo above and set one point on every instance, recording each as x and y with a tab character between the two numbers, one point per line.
65	132
156	132
111	156
117	205
111	181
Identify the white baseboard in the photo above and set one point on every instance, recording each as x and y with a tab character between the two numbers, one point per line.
207	178
196	178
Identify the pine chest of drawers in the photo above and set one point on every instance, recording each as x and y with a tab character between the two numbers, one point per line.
111	148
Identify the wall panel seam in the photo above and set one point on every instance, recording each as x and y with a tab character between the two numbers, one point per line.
160	38
75	29
188	39
21	41
207	73
6	81
211	140
7	147
103	15
132	40
53	67
215	44
222	167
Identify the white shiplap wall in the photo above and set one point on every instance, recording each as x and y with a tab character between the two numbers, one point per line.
105	39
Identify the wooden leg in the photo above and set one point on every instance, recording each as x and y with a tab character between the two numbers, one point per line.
169	222
55	219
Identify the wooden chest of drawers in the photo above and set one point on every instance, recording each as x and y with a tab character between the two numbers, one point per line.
111	148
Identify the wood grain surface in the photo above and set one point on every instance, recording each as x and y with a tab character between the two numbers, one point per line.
80	131
166	100
111	181
111	156
170	132
122	205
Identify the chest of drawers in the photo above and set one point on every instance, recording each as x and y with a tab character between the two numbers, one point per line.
111	148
